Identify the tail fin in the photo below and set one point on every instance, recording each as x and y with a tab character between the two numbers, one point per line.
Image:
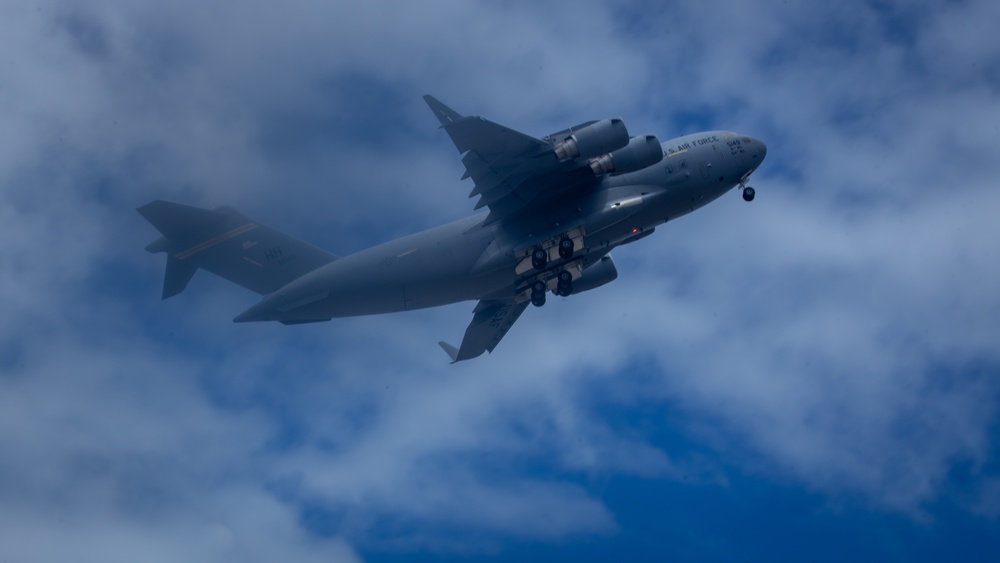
228	244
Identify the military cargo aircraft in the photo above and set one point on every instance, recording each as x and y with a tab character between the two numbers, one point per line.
556	208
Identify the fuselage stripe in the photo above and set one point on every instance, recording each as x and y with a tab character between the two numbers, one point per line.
216	240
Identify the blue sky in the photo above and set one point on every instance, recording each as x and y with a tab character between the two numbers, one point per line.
812	376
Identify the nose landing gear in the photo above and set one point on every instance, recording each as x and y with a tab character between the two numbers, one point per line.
748	192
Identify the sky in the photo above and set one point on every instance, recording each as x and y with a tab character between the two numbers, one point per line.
811	376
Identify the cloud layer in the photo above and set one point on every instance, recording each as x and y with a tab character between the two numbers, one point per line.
838	335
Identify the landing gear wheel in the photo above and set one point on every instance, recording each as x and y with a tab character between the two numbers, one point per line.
538	294
564	287
565	248
748	193
539	259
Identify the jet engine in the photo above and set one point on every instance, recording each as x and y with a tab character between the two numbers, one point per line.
641	151
596	275
594	140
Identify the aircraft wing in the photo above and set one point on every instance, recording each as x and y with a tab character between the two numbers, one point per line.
510	169
491	321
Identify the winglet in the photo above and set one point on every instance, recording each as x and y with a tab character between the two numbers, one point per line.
445	114
450	350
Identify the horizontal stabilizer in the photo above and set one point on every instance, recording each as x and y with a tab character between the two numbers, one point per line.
228	244
182	223
159	245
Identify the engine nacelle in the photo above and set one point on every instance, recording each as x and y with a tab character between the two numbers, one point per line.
596	275
641	151
593	140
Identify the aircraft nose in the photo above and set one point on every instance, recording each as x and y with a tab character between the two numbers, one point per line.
759	148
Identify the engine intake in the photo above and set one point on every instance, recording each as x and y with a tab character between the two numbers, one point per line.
641	151
593	140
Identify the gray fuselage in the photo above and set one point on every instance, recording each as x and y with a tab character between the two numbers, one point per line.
472	259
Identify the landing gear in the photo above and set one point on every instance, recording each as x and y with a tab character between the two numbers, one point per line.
538	294
748	192
538	300
539	258
566	248
564	287
563	248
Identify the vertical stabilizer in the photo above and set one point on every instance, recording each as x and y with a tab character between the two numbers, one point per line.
179	274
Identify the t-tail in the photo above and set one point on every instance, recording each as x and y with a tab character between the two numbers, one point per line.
228	244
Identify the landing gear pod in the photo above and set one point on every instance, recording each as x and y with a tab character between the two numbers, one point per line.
596	275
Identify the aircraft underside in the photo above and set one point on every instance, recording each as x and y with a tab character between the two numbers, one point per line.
557	207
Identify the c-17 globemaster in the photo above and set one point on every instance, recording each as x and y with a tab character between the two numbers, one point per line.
557	206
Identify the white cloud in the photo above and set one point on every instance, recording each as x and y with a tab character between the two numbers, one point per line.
829	334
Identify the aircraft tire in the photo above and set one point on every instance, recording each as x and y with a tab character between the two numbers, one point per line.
749	193
566	249
539	259
538	299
